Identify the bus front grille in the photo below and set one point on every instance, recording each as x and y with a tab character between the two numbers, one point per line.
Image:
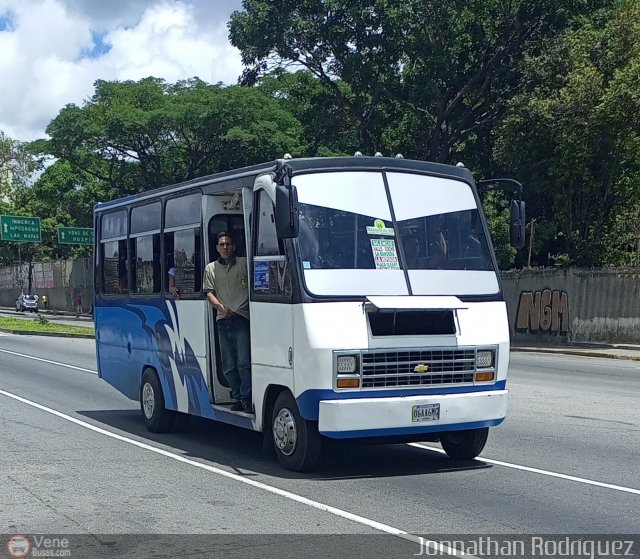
413	368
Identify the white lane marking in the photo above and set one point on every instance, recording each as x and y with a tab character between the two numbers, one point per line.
48	361
418	445
538	471
423	543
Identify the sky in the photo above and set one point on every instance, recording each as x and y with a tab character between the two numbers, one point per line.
52	51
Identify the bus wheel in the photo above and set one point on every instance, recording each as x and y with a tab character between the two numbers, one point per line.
464	445
157	418
296	441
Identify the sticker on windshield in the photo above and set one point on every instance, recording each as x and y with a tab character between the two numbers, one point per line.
384	254
379	229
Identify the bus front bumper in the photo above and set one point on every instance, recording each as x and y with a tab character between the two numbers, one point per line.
409	415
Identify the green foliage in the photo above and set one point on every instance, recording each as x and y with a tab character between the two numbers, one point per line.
560	260
328	128
17	164
622	239
427	79
135	136
45	326
41	319
546	92
62	196
574	133
496	210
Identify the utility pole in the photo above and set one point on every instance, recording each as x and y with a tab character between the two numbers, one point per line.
530	242
20	276
30	273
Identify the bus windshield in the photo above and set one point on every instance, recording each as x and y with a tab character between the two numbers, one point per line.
349	245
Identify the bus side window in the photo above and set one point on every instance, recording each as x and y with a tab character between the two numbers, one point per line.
113	253
144	248
183	243
145	261
183	252
271	273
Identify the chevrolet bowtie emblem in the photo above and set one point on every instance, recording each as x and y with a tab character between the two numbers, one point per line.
421	368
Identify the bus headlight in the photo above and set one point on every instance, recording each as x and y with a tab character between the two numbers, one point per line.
347	364
484	359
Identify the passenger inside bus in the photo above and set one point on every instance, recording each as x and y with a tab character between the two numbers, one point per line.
123	276
411	247
173	290
438	245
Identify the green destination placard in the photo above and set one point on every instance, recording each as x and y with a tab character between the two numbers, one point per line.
75	235
19	228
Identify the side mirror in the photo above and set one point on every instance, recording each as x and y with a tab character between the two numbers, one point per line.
287	214
517	223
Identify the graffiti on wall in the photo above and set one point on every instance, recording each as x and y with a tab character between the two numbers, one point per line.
543	311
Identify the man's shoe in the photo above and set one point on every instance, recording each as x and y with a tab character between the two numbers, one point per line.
237	407
247	407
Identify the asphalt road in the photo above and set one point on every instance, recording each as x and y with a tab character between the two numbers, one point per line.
565	462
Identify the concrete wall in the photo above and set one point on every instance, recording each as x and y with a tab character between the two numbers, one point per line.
561	306
60	280
545	306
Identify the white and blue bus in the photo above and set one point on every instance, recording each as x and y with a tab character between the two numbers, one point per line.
375	301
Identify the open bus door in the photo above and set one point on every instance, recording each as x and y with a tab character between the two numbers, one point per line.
221	213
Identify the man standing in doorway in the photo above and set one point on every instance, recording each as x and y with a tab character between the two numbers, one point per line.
225	283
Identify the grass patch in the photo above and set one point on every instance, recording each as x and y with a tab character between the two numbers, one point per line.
38	325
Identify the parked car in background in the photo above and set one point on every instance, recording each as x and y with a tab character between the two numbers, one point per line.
27	303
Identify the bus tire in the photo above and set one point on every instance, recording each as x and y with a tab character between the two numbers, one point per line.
464	445
157	418
297	441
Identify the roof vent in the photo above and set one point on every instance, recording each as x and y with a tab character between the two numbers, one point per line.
399	156
459	164
378	154
357	154
287	156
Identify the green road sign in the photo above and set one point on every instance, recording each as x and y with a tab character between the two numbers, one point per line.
19	228
75	235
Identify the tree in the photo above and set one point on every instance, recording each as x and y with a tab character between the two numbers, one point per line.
496	210
575	134
327	127
134	136
61	197
428	79
17	164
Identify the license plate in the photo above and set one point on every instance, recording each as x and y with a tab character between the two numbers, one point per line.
425	412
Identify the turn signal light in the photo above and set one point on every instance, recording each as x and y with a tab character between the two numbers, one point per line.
348	383
485	376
